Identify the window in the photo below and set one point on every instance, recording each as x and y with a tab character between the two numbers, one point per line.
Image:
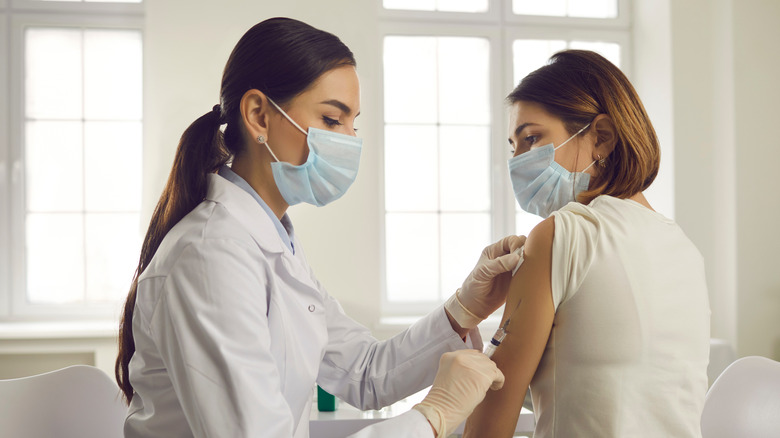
448	65
75	146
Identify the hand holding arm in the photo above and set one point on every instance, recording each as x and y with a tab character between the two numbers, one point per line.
482	292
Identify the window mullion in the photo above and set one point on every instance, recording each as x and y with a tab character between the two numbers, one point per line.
6	164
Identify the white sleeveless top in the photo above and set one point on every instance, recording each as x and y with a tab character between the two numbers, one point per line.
627	355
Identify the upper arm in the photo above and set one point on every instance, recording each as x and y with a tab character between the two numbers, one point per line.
530	306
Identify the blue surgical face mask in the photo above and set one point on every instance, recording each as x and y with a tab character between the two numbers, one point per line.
543	186
328	172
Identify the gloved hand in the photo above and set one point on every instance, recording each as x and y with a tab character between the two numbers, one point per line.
478	297
463	378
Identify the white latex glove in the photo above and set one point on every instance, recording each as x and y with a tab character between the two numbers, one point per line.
463	378
479	297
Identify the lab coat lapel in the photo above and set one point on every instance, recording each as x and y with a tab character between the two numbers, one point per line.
246	210
252	216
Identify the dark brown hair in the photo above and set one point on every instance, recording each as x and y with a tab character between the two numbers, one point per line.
282	58
578	85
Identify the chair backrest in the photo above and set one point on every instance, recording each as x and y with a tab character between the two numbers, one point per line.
79	401
744	401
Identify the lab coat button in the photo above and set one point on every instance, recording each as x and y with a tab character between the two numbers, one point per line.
311	307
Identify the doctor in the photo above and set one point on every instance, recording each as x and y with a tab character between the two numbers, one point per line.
226	329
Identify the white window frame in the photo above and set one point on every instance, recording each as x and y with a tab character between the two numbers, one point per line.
21	15
500	26
5	165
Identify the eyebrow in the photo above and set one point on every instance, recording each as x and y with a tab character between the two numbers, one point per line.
340	105
520	128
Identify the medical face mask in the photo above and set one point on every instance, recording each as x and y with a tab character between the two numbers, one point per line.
328	172
543	186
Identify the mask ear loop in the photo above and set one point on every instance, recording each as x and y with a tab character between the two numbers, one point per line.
286	116
574	184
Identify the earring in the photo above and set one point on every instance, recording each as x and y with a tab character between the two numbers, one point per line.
602	161
261	139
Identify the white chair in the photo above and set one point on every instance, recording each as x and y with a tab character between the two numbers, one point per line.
744	401
79	401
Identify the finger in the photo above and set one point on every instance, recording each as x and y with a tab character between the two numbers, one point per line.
516	242
497	266
504	246
498	379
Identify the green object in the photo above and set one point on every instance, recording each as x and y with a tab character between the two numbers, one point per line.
325	402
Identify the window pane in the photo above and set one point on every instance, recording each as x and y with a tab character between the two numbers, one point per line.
611	51
525	222
529	55
411	168
410	93
438	5
54	166
567	8
464	80
593	8
411	5
55	258
112	74
556	8
412	251
463	237
462	5
113	166
113	242
53	75
465	168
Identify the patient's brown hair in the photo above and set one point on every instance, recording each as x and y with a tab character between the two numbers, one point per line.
578	85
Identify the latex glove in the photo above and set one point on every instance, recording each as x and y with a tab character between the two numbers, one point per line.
463	378
479	297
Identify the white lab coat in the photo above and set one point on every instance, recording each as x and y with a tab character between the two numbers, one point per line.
232	330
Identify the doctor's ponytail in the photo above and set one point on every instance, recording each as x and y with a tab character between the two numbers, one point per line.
282	58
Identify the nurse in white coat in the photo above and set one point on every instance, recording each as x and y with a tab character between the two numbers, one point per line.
226	330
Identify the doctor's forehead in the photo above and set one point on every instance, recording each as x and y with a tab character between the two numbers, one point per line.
339	88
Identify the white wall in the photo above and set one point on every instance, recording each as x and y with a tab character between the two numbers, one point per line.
757	158
723	63
706	70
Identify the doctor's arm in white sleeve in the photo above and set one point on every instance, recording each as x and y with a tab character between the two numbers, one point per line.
212	332
371	374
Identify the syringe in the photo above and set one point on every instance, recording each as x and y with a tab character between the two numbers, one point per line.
501	332
497	338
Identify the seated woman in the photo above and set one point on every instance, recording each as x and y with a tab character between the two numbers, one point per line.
609	312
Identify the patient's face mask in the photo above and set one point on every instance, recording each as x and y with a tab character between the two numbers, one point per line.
329	170
543	186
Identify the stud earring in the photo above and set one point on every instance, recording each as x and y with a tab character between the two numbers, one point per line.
602	161
261	139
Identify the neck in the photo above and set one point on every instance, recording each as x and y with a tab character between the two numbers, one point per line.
253	165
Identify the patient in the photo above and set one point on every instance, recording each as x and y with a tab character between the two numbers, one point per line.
609	312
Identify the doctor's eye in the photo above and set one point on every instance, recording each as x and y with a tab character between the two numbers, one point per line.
531	139
332	123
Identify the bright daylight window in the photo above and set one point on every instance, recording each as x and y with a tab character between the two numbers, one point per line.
448	64
76	129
